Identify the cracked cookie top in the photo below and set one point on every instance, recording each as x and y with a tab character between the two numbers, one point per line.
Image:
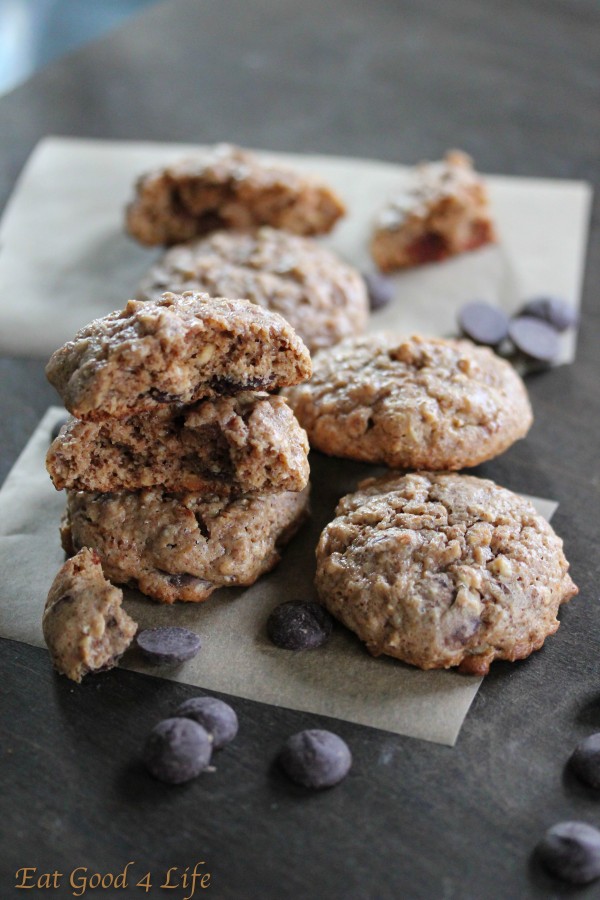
228	188
178	349
442	570
415	403
321	297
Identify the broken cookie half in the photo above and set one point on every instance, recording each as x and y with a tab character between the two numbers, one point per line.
85	627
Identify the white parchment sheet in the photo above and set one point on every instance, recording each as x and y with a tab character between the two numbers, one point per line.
65	259
339	679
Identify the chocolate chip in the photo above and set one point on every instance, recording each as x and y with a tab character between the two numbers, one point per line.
168	646
315	758
534	338
571	851
217	717
483	323
379	288
177	750
296	625
228	387
56	428
163	396
556	312
585	760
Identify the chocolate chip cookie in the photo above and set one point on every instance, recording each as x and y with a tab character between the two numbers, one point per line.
183	546
441	570
443	211
412	403
230	446
228	188
84	625
178	349
321	297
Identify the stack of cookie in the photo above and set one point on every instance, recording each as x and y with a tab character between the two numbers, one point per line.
247	227
182	472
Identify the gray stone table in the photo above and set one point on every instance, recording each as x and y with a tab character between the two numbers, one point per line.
517	85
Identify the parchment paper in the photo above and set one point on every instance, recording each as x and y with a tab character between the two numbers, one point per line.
65	259
339	679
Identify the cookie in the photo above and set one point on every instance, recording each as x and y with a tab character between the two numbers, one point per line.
84	625
183	546
178	349
228	188
230	446
442	570
443	211
412	403
321	297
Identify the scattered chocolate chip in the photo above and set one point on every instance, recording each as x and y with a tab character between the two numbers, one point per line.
168	646
315	758
585	760
177	750
534	338
571	851
379	288
296	625
483	323
556	312
56	428
217	717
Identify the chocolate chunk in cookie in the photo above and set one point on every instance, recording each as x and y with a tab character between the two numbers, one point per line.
412	403
228	188
442	570
321	297
84	625
178	349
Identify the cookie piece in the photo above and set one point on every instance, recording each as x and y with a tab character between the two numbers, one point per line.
442	570
228	188
321	297
84	625
412	403
443	211
178	349
184	546
230	446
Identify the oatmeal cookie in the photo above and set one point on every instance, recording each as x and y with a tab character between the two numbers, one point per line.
229	188
412	403
443	211
234	445
321	297
178	349
84	625
183	546
443	570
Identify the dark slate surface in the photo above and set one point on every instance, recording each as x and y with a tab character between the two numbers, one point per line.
516	85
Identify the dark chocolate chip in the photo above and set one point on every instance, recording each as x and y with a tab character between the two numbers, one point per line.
534	338
217	717
585	760
315	758
177	750
379	288
228	387
296	625
168	646
571	851
483	323
56	428
556	312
